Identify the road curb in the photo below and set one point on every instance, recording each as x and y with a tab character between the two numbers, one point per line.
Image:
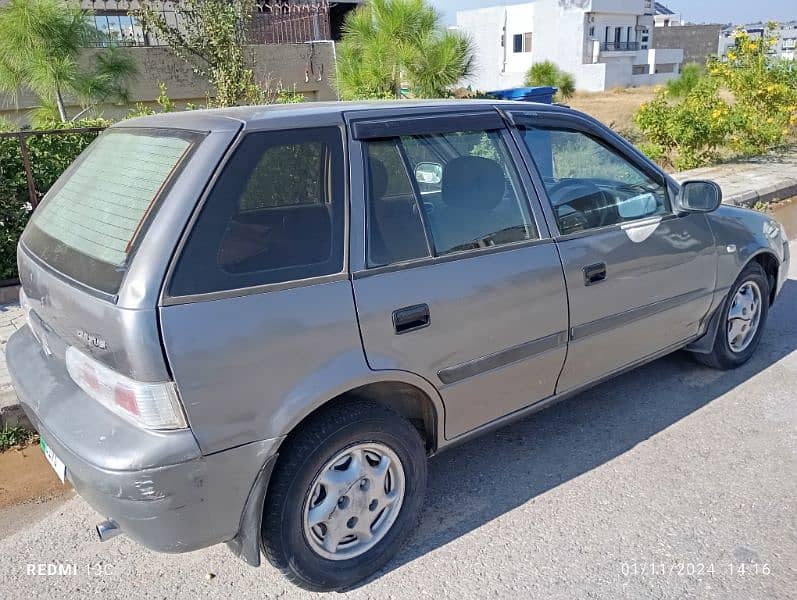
758	180
11	413
9	293
766	195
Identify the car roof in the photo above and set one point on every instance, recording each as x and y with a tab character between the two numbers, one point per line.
309	113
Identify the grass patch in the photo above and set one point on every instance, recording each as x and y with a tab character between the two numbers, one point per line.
15	436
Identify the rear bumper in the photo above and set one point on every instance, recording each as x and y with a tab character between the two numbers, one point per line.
157	486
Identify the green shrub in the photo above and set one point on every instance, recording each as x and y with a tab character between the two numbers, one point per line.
688	123
764	92
683	84
546	73
50	155
689	133
15	436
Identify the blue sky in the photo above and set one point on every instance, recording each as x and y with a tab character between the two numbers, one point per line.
696	11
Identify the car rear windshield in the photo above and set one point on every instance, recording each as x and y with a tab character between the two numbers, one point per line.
88	224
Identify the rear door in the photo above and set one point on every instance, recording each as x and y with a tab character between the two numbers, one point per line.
457	279
640	276
258	311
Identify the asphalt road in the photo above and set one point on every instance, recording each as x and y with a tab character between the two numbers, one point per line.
673	481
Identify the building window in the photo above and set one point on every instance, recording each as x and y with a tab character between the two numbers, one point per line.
116	27
521	42
591	31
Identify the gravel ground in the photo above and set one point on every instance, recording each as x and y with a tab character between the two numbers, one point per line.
673	481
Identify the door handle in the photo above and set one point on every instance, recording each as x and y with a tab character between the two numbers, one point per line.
411	318
594	273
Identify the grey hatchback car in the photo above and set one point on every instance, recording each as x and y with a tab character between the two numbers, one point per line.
253	325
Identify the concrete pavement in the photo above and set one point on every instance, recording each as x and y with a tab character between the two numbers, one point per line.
11	318
672	481
759	179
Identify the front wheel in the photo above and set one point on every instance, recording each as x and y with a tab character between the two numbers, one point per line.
743	316
346	492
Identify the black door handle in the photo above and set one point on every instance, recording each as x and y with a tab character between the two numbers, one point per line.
411	318
594	273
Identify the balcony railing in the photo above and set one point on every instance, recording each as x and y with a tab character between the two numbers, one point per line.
620	46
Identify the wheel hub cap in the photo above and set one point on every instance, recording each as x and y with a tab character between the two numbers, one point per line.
744	316
353	501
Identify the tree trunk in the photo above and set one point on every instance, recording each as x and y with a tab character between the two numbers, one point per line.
59	100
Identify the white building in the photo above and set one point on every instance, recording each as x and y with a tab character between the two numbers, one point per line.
664	17
603	43
786	39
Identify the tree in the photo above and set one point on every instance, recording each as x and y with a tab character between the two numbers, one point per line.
40	41
211	38
390	44
547	74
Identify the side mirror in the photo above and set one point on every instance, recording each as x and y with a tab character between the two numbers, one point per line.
700	196
429	173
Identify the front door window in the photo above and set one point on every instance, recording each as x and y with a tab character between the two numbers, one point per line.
589	184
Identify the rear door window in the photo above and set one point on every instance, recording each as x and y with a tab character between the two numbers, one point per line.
276	214
88	224
466	193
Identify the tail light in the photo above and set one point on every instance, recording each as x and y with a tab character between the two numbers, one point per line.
150	405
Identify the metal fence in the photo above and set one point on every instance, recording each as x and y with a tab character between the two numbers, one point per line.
273	22
24	151
289	23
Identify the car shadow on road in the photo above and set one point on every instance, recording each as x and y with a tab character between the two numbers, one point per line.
497	472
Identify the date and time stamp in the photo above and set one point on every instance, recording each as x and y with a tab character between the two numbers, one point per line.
642	569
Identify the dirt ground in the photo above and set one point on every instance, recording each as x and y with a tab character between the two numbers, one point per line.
26	476
615	107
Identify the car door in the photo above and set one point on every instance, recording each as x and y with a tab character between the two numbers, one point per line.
458	282
640	277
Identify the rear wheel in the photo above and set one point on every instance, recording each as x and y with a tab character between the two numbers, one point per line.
742	320
344	496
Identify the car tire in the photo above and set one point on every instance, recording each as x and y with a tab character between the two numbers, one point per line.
361	433
731	351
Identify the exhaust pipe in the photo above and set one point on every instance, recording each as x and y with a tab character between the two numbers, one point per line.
108	529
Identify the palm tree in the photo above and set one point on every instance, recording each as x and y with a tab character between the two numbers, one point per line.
40	41
390	44
546	73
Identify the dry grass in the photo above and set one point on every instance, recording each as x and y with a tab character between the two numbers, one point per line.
615	107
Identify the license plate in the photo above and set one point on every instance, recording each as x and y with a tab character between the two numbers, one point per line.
56	463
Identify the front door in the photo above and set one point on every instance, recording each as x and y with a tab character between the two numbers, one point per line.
640	277
460	282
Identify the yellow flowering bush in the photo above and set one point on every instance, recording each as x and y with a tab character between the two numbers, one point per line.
761	111
688	133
